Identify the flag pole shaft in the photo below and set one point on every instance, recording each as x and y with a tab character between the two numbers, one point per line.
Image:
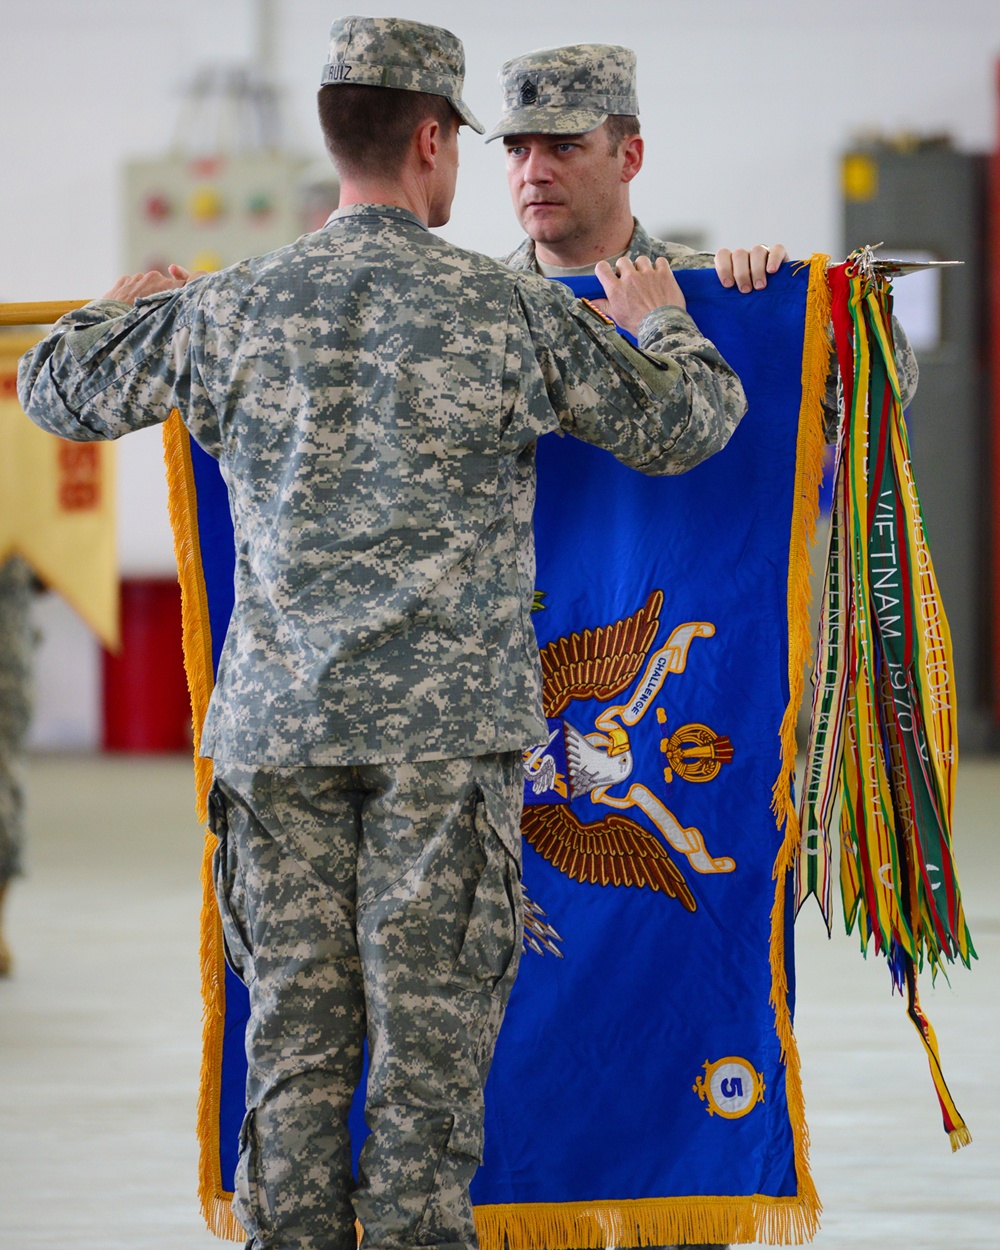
41	314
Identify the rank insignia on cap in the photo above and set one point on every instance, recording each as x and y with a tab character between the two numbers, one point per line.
528	94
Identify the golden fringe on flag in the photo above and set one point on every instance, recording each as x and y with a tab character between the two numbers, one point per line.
816	348
215	1201
650	1222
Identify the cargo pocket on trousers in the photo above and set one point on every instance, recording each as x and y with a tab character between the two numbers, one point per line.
490	952
251	1205
466	1136
490	939
230	892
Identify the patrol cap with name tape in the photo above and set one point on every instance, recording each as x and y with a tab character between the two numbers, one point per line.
566	91
393	52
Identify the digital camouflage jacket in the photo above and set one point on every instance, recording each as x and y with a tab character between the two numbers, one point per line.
374	395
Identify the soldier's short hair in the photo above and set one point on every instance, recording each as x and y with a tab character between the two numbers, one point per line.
367	130
620	126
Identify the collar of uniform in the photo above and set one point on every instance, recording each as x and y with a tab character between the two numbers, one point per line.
374	210
641	243
523	257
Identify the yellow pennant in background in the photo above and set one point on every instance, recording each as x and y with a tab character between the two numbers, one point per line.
57	505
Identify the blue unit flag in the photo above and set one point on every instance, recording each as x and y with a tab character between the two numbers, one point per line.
643	1090
646	1085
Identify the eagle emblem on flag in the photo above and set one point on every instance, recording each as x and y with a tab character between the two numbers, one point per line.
572	765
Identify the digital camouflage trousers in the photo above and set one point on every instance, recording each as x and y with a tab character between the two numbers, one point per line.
379	901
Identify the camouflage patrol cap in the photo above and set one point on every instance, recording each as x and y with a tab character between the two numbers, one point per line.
566	91
393	52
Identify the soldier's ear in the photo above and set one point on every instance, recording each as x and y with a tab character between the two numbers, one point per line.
633	149
428	139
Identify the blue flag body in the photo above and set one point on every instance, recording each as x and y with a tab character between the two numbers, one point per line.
645	1088
643	1069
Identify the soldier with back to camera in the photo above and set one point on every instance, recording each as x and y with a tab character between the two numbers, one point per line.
374	396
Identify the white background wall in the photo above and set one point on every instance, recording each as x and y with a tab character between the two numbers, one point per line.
746	106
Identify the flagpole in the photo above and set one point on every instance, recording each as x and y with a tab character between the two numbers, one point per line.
43	314
38	314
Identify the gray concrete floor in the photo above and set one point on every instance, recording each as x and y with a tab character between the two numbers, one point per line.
99	1036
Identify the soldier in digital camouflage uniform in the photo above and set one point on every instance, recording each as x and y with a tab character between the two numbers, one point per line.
374	396
572	147
571	136
572	198
15	683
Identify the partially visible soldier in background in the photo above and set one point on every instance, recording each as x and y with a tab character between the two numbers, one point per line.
16	589
571	137
572	144
374	396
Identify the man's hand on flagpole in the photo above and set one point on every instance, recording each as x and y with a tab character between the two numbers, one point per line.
636	290
749	270
131	287
186	275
